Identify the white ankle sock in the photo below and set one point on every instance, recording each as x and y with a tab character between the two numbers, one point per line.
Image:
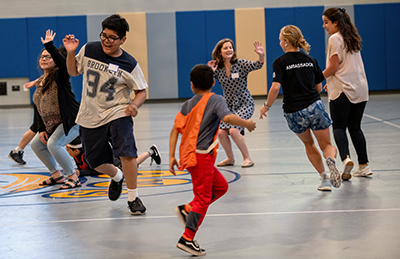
132	194
17	149
118	177
324	176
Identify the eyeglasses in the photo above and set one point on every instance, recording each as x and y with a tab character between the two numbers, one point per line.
110	39
45	57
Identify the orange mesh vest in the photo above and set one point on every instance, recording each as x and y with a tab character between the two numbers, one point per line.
189	127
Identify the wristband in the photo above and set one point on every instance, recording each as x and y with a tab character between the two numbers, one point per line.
265	105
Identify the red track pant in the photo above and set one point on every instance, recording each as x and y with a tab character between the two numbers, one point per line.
208	186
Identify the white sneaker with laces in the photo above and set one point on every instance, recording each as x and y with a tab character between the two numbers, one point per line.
362	171
348	165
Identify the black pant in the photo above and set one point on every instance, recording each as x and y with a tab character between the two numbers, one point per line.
347	115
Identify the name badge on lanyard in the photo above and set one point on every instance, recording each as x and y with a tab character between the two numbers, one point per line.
235	75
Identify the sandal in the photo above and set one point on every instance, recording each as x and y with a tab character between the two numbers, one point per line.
225	163
68	184
53	181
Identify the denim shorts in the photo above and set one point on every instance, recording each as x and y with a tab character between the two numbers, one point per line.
112	139
314	117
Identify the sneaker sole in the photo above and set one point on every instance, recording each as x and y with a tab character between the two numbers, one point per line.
346	175
363	175
159	155
15	160
190	251
180	217
138	212
334	173
324	189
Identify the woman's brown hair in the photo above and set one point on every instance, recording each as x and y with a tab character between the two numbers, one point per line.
216	54
352	40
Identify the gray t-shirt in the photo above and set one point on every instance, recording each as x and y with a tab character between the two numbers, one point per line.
216	109
107	85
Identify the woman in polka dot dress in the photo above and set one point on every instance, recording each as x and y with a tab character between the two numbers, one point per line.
231	73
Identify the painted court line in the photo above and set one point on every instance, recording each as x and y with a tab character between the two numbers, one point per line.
380	120
208	215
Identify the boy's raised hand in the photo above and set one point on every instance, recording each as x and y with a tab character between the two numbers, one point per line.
70	43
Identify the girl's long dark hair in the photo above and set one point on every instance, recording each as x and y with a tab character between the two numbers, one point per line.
51	77
352	40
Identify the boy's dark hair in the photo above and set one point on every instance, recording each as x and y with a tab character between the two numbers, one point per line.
202	77
116	23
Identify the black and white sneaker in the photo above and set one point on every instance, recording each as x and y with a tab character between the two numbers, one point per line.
115	189
17	157
136	207
182	214
191	247
156	156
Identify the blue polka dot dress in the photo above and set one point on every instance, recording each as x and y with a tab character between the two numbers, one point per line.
236	93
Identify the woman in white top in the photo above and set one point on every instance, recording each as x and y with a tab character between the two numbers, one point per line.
347	88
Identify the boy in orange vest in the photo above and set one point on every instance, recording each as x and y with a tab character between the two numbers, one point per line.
198	122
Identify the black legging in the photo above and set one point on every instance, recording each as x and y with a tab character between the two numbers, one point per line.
347	115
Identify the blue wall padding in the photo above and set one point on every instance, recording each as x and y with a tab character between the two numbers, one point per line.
191	47
370	22
275	19
392	38
73	25
14	46
309	20
217	30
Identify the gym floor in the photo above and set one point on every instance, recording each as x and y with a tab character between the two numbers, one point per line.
272	210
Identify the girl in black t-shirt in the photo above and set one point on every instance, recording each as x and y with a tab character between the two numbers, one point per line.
301	77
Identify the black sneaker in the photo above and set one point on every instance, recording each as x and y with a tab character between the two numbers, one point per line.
115	189
191	247
182	214
17	157
136	206
156	156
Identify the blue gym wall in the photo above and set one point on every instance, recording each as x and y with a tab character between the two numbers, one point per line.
177	41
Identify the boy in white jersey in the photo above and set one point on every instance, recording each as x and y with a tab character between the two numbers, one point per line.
106	111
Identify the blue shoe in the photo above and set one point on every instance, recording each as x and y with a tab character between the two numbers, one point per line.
334	172
325	185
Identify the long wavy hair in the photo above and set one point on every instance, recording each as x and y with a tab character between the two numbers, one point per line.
352	40
216	54
53	72
293	34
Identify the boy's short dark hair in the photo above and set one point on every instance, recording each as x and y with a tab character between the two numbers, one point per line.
116	23
202	77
